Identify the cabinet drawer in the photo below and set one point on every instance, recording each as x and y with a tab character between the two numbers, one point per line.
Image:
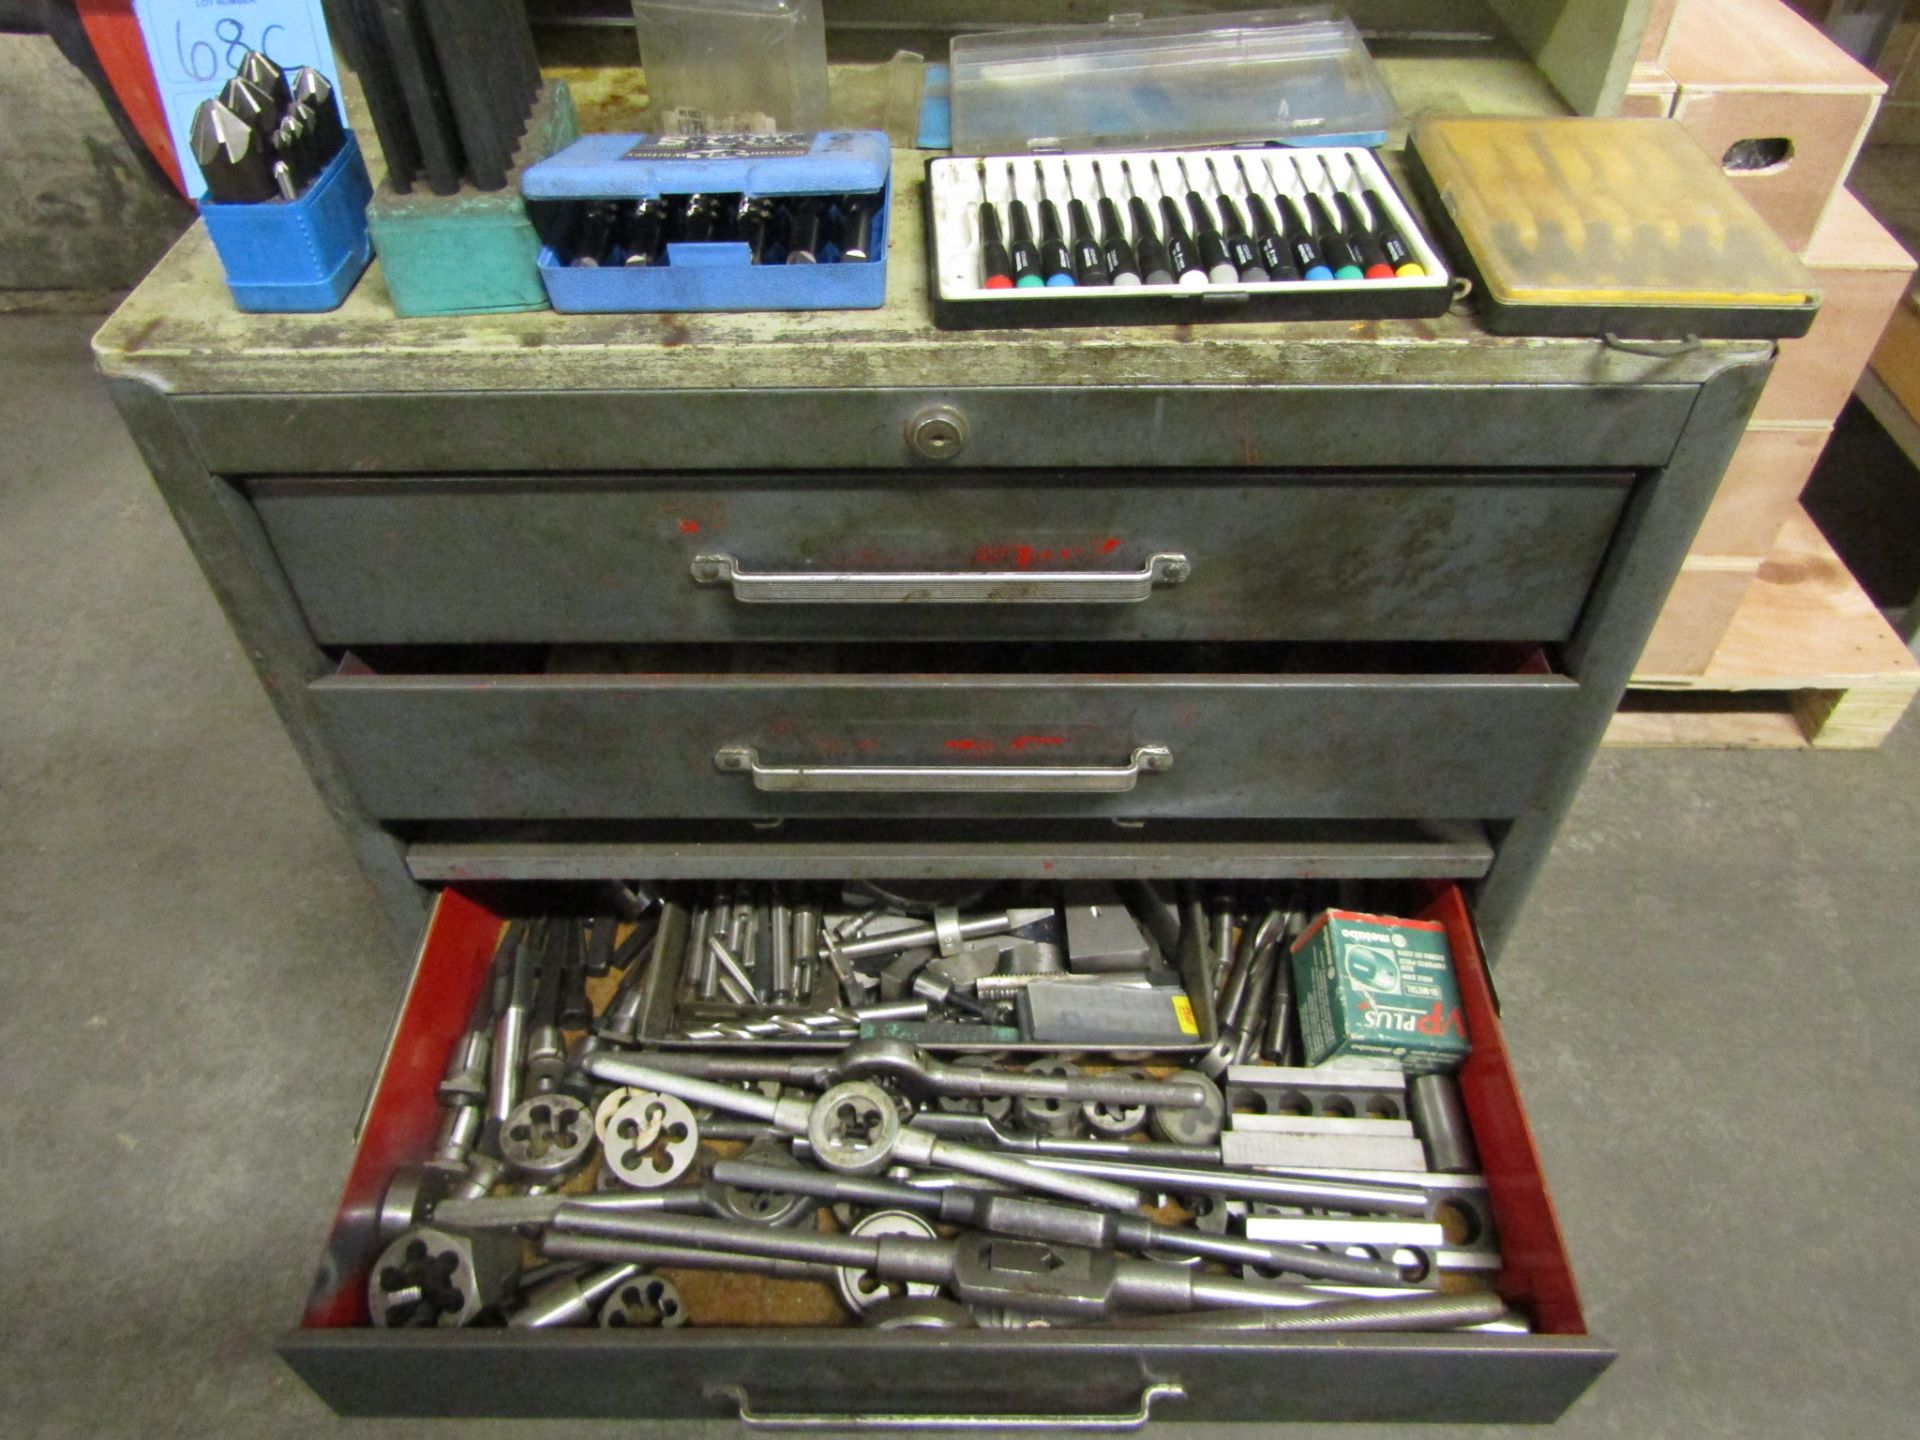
836	1379
1167	556
422	746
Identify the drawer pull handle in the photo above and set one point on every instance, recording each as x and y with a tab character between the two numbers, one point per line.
937	587
945	779
780	1420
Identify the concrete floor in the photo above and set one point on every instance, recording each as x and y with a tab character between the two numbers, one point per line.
1712	1004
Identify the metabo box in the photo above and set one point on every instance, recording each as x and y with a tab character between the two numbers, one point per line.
1378	988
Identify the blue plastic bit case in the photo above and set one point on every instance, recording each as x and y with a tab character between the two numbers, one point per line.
718	274
297	255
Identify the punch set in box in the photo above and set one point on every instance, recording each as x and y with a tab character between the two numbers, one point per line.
1176	236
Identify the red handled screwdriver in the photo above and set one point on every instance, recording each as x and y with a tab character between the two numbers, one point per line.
995	264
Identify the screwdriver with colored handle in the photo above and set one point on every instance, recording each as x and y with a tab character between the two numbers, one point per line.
1186	267
1240	248
1306	254
1089	264
1275	258
1334	248
1360	238
1207	237
996	266
1122	266
1155	268
1393	245
1026	259
1055	263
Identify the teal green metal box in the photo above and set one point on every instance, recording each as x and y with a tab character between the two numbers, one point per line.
1380	990
473	253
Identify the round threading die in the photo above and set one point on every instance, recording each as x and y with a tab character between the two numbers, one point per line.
853	1128
860	1288
545	1136
652	1140
646	1302
612	1101
1049	1114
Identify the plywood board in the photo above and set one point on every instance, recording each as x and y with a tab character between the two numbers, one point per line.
1758	44
1659	27
1805	625
1760	490
1896	361
1698	610
1863	275
1824	129
1651	93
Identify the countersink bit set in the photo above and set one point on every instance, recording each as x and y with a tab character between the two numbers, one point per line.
583	1177
1252	233
268	134
714	222
777	230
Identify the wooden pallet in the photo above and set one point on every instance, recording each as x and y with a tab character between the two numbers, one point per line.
1807	662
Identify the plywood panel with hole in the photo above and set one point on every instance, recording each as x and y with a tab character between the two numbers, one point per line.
1752	70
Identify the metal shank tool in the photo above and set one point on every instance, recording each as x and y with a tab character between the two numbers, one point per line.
1034	1276
913	1069
904	1145
1039	1220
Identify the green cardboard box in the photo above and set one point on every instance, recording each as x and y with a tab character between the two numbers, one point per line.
1375	988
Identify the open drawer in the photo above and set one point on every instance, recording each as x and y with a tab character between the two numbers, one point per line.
826	1376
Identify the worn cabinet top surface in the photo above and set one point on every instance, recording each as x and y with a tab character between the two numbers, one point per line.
180	332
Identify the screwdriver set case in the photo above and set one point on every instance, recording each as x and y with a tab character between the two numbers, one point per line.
1621	227
1176	237
837	177
1300	76
297	255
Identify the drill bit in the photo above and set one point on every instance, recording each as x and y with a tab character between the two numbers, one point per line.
231	156
261	73
251	104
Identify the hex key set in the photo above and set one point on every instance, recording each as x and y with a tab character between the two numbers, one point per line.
1176	236
879	1184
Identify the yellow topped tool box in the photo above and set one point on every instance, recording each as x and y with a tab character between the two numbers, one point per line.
1605	227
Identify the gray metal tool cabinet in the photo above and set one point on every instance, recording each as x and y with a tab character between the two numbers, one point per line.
544	598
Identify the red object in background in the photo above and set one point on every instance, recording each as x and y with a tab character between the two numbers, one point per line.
115	33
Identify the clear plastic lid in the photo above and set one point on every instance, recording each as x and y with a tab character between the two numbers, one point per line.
1302	76
1604	212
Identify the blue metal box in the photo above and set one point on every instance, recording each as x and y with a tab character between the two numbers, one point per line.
717	274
